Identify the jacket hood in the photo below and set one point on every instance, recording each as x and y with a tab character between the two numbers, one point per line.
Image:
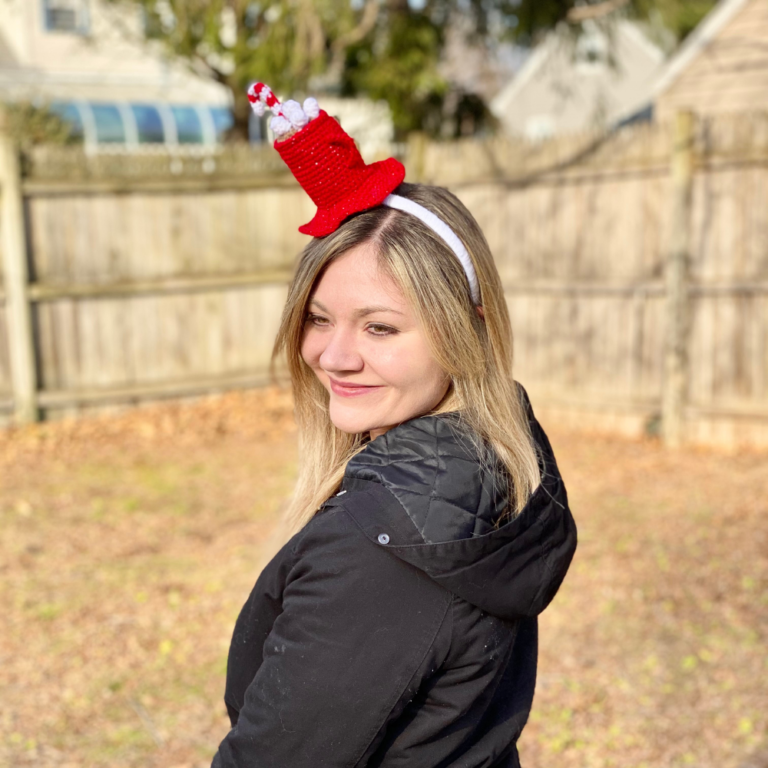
432	501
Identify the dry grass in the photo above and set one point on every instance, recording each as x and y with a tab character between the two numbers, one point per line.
129	544
655	652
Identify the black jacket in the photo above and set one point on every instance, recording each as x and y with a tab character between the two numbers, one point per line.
398	627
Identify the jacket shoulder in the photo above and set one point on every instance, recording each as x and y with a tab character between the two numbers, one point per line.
433	468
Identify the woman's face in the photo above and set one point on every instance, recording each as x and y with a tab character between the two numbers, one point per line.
365	344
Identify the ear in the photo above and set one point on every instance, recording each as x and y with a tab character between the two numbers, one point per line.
480	311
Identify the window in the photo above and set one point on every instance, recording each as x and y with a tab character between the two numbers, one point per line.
149	124
257	128
188	126
70	114
126	125
222	121
109	124
66	16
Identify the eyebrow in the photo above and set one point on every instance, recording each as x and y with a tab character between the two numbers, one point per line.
363	311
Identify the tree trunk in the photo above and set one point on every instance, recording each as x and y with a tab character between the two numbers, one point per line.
241	111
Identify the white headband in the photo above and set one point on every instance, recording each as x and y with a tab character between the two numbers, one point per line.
439	227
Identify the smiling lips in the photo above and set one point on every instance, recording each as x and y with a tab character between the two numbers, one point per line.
350	390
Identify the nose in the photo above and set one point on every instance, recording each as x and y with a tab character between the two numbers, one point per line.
341	353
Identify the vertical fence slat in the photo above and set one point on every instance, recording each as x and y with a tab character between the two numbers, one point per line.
675	387
14	252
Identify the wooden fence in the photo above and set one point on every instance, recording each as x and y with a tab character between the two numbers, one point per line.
636	266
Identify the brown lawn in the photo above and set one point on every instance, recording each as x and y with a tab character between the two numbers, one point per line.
130	542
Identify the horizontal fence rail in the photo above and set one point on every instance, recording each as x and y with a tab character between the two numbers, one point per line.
40	292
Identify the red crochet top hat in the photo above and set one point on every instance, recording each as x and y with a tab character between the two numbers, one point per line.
325	161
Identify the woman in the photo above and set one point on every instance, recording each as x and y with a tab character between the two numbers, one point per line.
398	626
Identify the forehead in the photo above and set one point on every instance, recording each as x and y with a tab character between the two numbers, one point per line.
355	279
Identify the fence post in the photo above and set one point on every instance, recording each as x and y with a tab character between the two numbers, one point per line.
13	245
676	367
416	159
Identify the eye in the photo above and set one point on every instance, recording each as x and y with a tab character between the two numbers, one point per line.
377	329
317	320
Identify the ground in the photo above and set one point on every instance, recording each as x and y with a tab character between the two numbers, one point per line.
130	542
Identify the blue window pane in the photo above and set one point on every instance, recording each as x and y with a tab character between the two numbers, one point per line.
257	128
222	120
109	124
188	125
70	114
149	124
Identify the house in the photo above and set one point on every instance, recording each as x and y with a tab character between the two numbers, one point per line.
474	71
571	83
89	62
722	66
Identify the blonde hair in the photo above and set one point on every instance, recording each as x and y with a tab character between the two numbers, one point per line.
475	352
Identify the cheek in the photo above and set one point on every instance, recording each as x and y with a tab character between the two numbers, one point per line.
311	348
412	367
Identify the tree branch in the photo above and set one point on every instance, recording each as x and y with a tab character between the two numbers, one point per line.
355	35
367	22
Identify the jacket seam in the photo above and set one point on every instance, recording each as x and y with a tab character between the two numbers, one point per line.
410	517
404	687
393	462
500	675
432	489
404	508
546	548
432	497
454	600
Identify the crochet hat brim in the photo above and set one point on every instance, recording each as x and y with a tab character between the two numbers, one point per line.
380	180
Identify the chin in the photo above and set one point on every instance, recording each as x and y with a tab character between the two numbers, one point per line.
352	427
351	423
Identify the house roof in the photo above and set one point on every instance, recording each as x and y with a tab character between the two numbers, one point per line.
551	46
709	28
532	65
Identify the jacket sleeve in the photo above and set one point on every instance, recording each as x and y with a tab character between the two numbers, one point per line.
343	656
